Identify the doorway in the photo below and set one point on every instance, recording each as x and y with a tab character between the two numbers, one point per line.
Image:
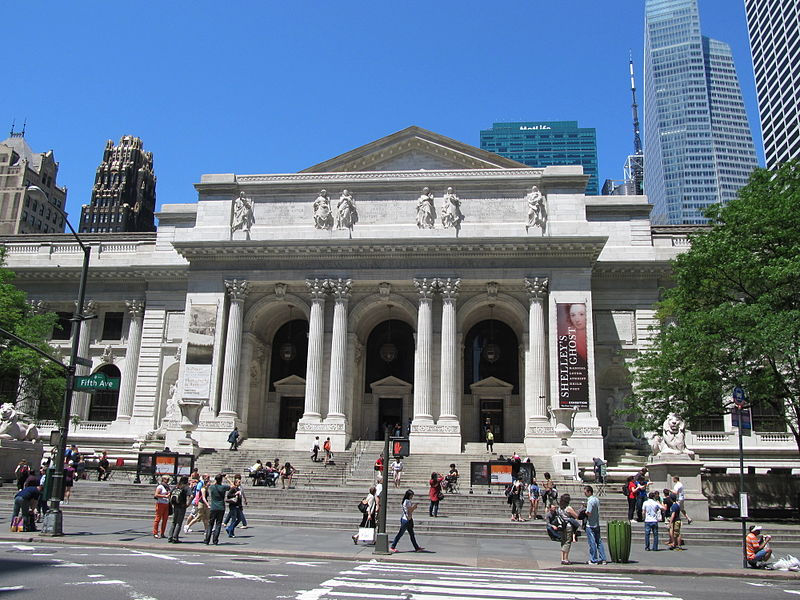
291	411
390	412
491	417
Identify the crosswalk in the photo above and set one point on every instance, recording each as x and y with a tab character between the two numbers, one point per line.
385	581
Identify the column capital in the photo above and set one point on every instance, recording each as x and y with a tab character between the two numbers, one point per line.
536	287
89	308
37	307
135	308
316	287
449	287
237	289
426	288
339	288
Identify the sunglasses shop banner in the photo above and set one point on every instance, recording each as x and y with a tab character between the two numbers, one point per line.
573	370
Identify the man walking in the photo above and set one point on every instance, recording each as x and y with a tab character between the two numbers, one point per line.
216	497
676	541
315	450
652	515
233	439
179	500
680	494
597	553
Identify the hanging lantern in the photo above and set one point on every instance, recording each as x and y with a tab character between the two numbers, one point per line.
491	351
287	350
388	351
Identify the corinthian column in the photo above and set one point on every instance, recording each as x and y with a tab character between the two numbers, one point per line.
127	386
423	384
313	404
237	292
449	363
340	290
80	404
536	362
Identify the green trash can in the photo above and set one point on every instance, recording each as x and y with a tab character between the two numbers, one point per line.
619	541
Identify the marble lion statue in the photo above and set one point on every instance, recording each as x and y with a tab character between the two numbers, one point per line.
672	438
11	428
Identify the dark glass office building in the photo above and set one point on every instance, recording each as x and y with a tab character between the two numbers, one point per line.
545	143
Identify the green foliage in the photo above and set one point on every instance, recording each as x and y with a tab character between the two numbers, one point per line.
21	369
733	316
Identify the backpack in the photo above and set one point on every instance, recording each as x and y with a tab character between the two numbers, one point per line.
175	497
624	490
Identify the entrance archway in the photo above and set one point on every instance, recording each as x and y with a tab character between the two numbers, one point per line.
103	405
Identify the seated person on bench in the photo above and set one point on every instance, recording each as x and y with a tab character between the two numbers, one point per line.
451	479
270	475
257	473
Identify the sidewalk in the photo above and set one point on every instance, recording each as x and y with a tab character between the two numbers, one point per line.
487	551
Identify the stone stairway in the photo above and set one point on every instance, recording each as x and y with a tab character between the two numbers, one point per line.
307	505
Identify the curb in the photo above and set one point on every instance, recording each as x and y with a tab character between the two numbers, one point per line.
425	558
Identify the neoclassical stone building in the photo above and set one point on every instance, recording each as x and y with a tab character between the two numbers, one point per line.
415	278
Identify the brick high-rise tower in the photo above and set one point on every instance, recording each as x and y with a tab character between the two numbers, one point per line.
124	192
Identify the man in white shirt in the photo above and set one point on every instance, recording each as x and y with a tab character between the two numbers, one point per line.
652	515
678	490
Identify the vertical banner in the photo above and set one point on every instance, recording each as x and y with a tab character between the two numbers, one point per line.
573	370
200	351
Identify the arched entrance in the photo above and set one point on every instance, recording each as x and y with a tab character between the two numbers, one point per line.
491	355
389	358
103	405
287	373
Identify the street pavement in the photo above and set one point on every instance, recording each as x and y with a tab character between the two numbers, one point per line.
43	569
486	551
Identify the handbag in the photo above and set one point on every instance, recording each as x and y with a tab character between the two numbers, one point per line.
366	534
362	506
18	524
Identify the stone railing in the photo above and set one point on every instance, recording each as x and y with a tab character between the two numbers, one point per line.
708	437
780	437
46	425
93	426
23	248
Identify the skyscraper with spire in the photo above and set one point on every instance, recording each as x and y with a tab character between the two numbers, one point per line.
124	192
698	146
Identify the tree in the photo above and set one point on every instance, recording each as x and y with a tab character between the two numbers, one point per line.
34	381
733	315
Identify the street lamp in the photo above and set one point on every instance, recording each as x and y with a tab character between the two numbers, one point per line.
54	518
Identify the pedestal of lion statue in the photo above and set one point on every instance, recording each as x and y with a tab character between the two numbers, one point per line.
663	467
13	451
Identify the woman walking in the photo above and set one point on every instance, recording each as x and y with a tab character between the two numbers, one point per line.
435	493
569	532
407	522
368	514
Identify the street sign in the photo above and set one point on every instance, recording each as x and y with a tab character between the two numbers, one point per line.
98	381
738	396
84	362
743	506
743	419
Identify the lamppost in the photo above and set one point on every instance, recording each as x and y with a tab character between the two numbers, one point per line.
54	518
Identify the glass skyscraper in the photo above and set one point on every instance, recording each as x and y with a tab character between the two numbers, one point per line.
698	145
545	143
774	27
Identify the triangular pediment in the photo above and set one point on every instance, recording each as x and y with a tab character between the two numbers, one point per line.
414	149
491	383
290	380
389	382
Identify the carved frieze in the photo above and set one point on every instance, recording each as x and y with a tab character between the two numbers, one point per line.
435	429
315	427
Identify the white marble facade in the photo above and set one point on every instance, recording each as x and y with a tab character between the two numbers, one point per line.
204	301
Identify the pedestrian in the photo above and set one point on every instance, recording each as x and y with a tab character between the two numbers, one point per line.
25	502
368	508
569	529
680	494
408	426
234	500
489	441
435	493
379	464
287	473
233	439
630	486
553	523
315	450
161	496
21	473
200	504
534	493
69	481
641	492
597	552
326	446
757	548
550	493
179	499
598	464
407	522
103	467
675	524
653	513
515	499
397	469
216	496
378	494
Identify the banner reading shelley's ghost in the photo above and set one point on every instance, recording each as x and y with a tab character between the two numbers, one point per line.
573	371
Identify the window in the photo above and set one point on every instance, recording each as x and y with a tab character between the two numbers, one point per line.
63	328
112	326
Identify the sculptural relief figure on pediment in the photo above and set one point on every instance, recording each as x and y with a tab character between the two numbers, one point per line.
426	211
323	216
242	217
451	211
537	210
346	213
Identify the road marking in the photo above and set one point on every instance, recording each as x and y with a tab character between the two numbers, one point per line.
13	588
186	562
99	582
153	554
237	575
309	563
25	548
792	592
387	581
96	575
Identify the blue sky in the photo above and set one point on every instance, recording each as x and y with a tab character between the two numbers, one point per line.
271	87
